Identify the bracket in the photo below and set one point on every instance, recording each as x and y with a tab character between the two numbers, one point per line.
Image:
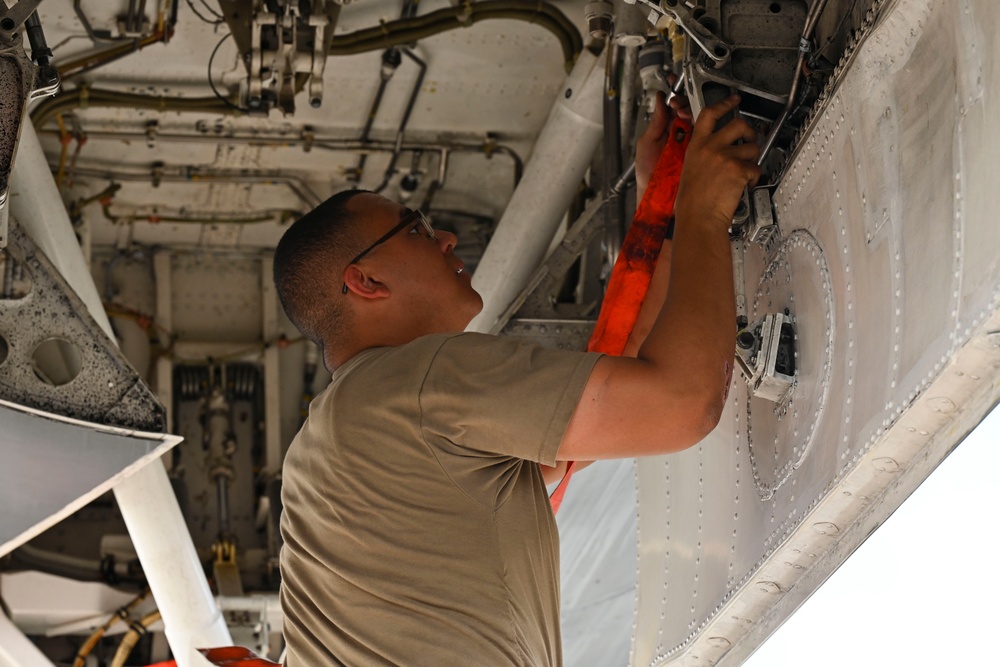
765	353
104	389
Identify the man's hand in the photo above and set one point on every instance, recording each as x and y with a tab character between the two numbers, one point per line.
716	167
673	394
654	138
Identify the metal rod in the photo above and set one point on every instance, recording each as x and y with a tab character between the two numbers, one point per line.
222	496
811	19
366	132
406	118
330	144
614	211
301	189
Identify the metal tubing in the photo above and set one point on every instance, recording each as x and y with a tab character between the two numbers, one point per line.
366	132
811	19
294	183
398	147
408	31
300	187
614	210
330	144
222	500
627	106
561	155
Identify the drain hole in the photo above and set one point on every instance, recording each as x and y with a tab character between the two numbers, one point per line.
56	361
775	8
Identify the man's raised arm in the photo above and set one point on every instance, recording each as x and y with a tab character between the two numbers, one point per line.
672	394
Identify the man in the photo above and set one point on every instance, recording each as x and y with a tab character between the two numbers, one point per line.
416	525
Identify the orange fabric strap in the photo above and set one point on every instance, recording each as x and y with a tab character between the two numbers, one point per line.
556	498
633	271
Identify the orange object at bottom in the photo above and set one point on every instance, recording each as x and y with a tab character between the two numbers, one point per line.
235	656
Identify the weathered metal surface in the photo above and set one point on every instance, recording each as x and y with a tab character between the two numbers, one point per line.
106	389
894	287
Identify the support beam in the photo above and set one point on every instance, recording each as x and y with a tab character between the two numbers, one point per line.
16	650
171	565
559	160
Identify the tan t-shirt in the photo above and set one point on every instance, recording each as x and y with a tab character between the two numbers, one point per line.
416	526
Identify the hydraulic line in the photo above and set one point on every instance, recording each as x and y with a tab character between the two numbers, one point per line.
85	97
437	183
301	189
67	101
391	59
94	60
107	570
409	31
406	119
385	75
294	183
812	18
120	615
136	630
614	210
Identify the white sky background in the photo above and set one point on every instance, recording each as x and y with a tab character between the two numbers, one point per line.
924	589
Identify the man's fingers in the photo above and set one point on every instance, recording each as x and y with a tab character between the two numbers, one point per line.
733	131
748	151
681	107
710	115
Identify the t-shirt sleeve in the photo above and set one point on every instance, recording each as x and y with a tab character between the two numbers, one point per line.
502	396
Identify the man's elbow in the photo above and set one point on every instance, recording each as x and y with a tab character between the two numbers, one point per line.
703	417
712	413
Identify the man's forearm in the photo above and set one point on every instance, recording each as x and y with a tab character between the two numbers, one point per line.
693	333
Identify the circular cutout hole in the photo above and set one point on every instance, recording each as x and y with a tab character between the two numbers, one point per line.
775	8
8	24
56	361
4	350
721	50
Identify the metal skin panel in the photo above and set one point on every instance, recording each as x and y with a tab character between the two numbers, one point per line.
72	461
888	267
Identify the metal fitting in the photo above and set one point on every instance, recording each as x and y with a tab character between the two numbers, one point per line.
600	18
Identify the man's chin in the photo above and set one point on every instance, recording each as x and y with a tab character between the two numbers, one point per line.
475	307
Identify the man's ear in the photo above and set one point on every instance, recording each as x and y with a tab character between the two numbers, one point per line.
363	284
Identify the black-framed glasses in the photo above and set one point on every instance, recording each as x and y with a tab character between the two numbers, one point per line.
416	218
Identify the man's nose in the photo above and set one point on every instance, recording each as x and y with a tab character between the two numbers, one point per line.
447	240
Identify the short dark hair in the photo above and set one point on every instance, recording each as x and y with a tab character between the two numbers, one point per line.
316	246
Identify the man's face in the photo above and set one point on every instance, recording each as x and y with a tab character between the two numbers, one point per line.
424	276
